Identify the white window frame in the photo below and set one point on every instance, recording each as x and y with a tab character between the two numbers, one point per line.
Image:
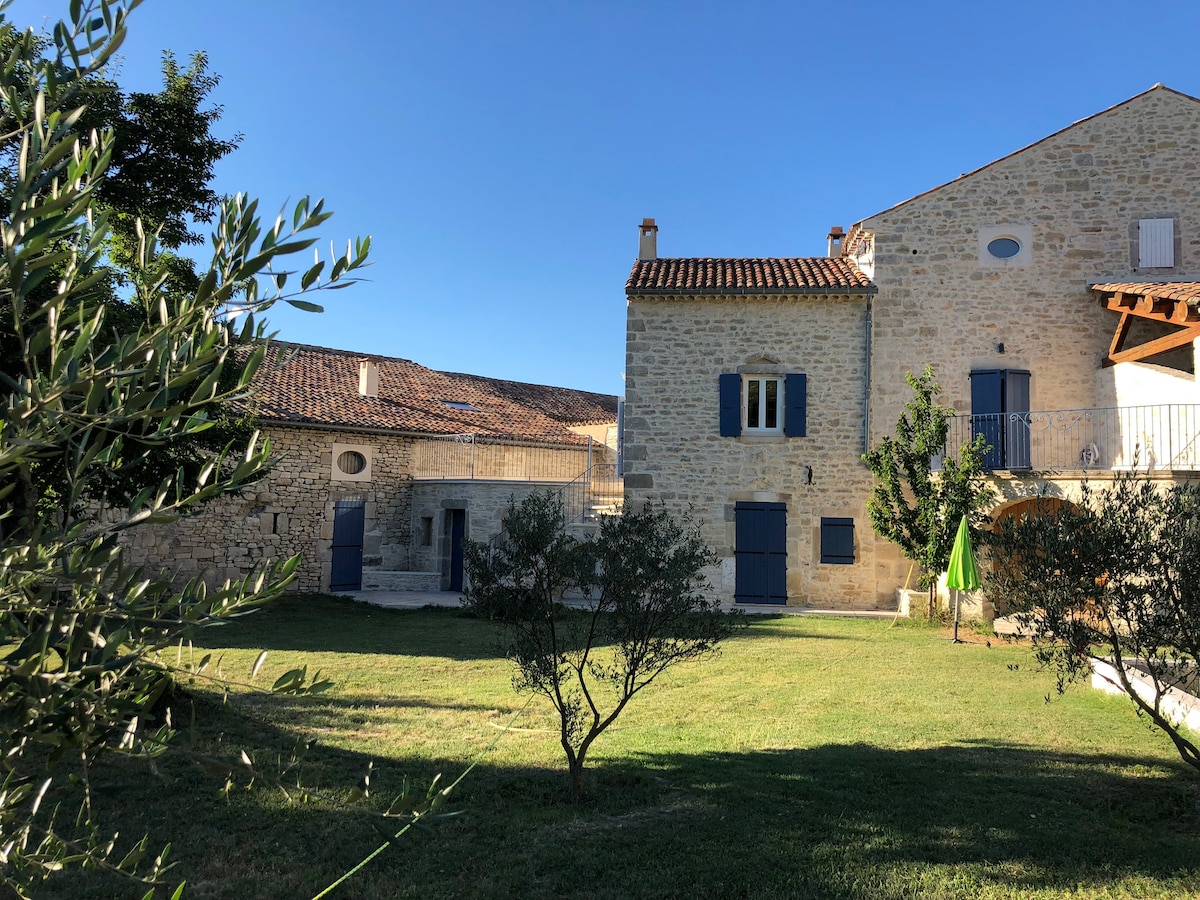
338	474
1022	235
760	426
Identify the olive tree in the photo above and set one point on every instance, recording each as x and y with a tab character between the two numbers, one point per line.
914	506
1113	578
86	393
643	609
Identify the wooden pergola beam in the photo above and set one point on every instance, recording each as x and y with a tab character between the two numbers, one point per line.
1156	309
1151	348
1122	332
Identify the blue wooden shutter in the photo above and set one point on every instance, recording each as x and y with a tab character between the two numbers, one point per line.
987	414
795	395
837	541
1016	419
731	405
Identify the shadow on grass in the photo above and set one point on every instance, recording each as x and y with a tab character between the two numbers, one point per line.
835	821
330	707
317	623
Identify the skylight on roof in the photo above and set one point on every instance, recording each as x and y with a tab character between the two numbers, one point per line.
459	404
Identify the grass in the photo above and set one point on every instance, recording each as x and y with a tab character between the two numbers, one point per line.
814	757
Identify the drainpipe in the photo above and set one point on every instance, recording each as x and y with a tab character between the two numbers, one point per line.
867	368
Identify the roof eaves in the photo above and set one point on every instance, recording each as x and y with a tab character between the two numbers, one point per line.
841	290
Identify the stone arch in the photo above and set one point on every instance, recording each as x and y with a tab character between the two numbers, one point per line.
1027	506
1042	504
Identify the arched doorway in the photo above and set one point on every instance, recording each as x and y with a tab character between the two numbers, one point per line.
1029	507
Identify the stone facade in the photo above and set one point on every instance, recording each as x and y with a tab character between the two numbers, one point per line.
405	541
485	503
1079	194
677	349
291	511
1071	205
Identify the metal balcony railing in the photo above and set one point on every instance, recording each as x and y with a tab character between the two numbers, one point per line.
597	491
1155	437
478	457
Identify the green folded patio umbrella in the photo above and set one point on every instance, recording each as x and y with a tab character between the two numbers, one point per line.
962	575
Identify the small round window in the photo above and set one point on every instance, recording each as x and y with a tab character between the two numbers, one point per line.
351	462
1004	247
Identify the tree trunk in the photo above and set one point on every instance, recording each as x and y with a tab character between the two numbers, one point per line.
576	770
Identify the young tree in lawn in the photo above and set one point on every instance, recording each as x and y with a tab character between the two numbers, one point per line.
1114	578
911	505
87	392
645	610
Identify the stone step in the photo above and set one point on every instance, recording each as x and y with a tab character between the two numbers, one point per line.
385	580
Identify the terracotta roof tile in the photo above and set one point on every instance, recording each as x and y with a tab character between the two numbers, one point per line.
1188	291
792	275
319	386
566	405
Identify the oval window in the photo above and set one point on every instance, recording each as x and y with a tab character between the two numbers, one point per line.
1004	248
351	462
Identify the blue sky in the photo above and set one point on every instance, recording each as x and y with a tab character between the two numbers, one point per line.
501	155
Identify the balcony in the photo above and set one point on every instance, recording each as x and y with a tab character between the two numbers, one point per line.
1165	437
582	470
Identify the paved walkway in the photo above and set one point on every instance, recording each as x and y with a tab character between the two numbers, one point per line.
418	599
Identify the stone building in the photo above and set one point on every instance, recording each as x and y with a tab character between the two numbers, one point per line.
1054	291
386	468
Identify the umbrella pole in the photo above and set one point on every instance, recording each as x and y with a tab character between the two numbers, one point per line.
956	596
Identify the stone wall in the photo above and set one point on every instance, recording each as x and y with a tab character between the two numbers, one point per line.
677	347
1076	199
485	504
291	511
1078	195
1073	200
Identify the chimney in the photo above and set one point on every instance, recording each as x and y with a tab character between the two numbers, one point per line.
368	378
835	241
648	240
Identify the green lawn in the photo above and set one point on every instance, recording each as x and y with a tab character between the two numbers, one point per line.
814	757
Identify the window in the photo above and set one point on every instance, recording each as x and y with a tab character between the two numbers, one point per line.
461	405
1005	245
1000	412
763	404
351	462
837	541
426	531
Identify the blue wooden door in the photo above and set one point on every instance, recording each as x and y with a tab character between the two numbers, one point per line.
349	517
760	553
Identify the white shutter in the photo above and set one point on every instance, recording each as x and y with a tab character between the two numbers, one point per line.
1156	243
